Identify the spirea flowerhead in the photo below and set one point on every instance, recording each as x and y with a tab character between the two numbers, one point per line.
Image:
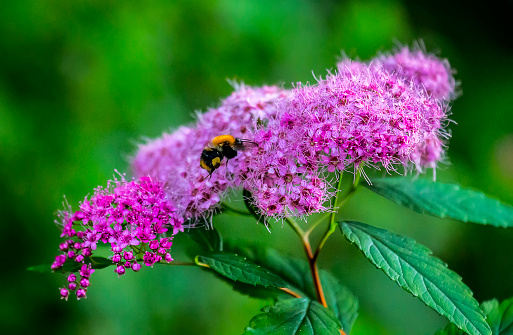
174	157
423	69
420	70
128	216
364	116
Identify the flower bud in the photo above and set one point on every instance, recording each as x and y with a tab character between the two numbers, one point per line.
116	258
116	248
84	282
81	294
168	257
64	293
87	252
64	246
136	267
120	270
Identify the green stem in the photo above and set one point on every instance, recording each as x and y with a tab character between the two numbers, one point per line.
295	226
332	225
337	204
326	215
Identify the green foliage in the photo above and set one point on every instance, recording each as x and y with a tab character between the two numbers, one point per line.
295	316
290	270
239	268
498	317
444	200
296	272
72	266
412	267
340	300
295	276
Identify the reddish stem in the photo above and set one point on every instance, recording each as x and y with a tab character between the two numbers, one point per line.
312	261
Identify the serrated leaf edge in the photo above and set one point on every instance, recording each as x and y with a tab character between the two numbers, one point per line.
429	253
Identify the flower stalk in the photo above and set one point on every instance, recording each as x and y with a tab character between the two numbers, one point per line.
305	236
311	261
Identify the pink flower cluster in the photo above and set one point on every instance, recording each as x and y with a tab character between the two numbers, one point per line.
174	158
425	72
131	217
365	116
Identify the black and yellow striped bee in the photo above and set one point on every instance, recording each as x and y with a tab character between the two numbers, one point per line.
223	146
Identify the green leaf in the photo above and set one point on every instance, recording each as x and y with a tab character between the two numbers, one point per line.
269	294
297	275
72	266
340	300
241	269
295	316
450	329
413	268
294	272
207	239
96	263
499	318
259	292
444	200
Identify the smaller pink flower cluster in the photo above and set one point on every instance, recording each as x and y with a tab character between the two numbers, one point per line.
174	158
78	285
131	217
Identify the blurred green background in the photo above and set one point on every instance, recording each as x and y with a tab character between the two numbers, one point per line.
82	82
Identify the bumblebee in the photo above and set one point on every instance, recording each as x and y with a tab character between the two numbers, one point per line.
223	146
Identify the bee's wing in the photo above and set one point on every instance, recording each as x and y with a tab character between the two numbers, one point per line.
245	144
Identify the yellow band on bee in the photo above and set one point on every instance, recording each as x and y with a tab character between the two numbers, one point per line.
223	139
216	162
205	166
